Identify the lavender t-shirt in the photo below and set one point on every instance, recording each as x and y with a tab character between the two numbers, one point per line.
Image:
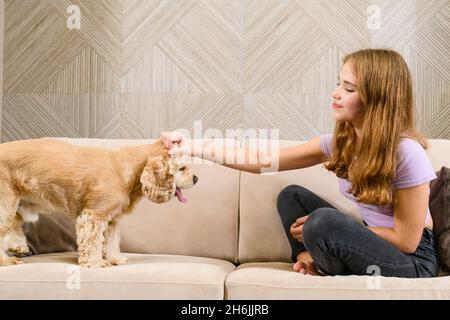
414	168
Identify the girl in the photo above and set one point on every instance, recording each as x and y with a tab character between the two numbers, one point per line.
379	158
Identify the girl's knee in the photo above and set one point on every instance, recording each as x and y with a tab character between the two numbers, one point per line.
287	199
288	193
322	222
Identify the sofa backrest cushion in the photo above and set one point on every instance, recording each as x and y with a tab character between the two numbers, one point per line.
261	234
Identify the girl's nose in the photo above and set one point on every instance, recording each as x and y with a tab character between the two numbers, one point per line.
335	94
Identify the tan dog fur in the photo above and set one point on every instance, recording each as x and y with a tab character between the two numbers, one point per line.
96	186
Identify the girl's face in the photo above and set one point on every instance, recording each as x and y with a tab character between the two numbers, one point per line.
347	104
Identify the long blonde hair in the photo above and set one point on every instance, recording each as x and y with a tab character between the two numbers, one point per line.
385	88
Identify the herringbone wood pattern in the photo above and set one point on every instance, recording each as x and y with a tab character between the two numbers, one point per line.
136	67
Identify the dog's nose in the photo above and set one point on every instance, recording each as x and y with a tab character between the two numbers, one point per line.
195	178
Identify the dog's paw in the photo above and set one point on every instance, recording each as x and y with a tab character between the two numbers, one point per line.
21	251
96	264
10	261
117	260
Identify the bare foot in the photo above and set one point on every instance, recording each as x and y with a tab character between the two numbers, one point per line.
305	264
298	267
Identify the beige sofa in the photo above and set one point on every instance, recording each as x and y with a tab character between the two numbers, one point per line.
227	242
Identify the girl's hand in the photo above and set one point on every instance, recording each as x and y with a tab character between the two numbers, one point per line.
170	138
297	228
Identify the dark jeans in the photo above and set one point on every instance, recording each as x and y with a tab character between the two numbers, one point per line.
340	245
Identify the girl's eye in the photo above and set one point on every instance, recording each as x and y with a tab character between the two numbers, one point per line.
348	90
182	168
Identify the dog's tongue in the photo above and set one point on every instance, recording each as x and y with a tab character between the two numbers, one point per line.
179	195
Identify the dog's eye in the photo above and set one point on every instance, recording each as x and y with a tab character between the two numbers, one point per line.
182	168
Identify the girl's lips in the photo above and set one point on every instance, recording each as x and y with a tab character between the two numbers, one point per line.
336	106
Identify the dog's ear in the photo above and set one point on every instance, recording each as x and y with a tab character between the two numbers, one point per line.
158	184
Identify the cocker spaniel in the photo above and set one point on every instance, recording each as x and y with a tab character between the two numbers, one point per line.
93	185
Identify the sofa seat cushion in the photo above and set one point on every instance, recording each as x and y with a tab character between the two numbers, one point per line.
273	280
145	276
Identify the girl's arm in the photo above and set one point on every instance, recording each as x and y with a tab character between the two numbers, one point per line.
409	218
257	160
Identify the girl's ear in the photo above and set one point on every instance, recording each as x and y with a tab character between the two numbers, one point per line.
157	180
